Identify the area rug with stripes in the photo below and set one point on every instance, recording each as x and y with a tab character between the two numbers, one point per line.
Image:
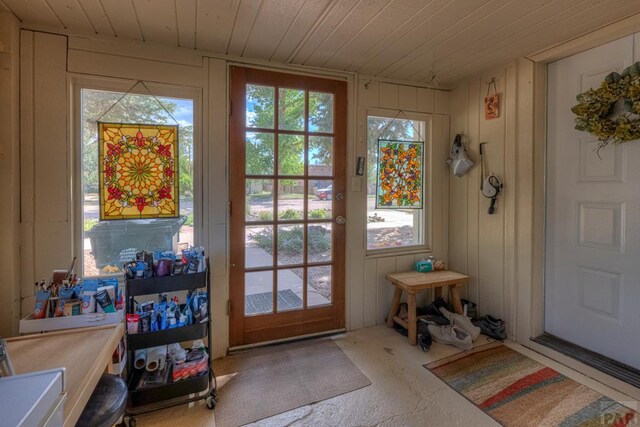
515	390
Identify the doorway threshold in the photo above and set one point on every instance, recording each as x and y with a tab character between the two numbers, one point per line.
240	348
602	363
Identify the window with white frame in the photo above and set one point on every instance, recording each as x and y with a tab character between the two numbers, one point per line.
106	244
393	228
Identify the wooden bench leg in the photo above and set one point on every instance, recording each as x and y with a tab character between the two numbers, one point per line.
395	304
437	293
455	296
413	327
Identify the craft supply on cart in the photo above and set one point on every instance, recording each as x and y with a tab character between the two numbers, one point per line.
167	304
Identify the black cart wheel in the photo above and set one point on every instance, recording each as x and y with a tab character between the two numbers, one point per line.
211	402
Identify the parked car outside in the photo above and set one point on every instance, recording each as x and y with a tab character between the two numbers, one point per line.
324	193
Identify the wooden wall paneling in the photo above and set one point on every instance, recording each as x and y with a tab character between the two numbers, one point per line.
356	288
310	13
52	180
216	197
473	188
369	93
389	96
491	232
137	49
214	24
352	24
104	65
525	202
186	19
27	170
97	17
370	296
72	15
51	184
439	208
335	14
35	11
123	18
10	172
458	206
441	103
509	200
384	266
271	25
426	100
244	25
408	98
536	293
158	20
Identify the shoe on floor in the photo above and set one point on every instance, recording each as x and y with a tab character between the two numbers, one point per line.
424	341
451	335
434	307
492	327
399	329
403	313
462	322
432	319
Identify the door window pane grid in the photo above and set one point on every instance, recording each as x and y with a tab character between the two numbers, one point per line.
295	213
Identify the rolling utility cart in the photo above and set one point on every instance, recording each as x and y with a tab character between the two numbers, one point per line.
201	387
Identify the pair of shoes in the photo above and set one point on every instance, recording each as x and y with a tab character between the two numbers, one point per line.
424	341
432	319
472	308
492	327
461	322
434	307
452	335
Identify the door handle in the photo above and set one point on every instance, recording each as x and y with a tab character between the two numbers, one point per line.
341	220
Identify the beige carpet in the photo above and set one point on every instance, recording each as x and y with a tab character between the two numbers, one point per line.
260	383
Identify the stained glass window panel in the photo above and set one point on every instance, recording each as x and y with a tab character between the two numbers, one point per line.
138	171
400	175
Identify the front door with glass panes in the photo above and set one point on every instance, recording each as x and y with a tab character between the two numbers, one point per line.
287	186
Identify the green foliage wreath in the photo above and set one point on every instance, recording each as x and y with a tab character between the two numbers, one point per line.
596	107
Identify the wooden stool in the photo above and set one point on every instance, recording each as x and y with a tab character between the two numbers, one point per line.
414	283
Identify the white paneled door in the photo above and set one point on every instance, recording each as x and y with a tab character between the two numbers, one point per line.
592	275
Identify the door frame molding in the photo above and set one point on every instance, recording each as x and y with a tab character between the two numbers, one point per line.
240	326
532	146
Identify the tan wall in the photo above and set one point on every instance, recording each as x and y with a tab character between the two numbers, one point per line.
51	64
495	250
9	173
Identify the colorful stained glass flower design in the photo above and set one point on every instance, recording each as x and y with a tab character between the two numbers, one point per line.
138	171
400	173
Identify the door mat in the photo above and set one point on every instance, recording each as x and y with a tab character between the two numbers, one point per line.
515	390
260	383
263	303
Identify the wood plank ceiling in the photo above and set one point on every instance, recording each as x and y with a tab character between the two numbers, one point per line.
395	39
